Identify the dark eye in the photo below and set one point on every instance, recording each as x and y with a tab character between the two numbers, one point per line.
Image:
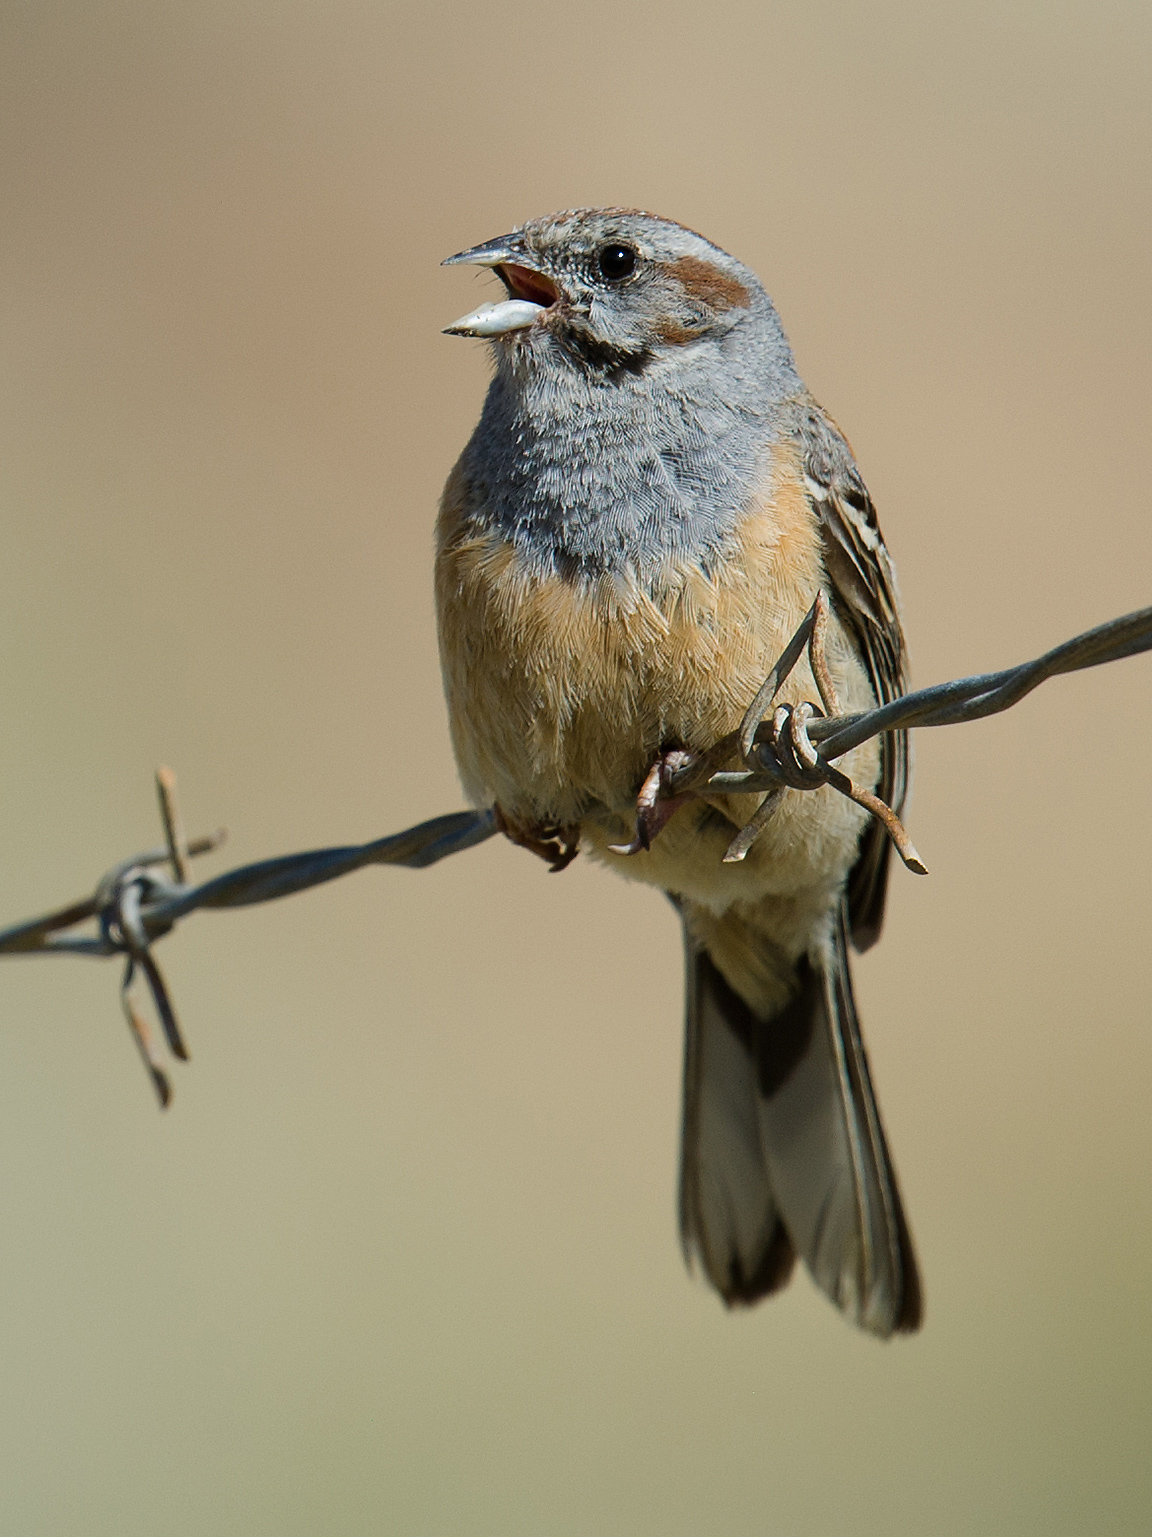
614	262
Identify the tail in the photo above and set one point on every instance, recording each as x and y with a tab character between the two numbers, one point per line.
783	1152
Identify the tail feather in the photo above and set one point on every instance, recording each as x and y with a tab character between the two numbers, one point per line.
783	1152
728	1214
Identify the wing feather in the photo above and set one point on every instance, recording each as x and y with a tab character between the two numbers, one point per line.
864	589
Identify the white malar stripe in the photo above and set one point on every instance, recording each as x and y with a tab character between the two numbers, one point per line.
496	319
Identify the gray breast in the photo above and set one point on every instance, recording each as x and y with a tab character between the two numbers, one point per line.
590	473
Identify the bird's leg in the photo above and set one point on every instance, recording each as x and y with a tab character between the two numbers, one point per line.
654	808
556	846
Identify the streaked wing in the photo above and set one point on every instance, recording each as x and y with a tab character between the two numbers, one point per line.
864	588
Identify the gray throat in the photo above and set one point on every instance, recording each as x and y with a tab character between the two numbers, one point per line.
594	472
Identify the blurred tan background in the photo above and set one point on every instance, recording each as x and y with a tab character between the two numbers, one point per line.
401	1257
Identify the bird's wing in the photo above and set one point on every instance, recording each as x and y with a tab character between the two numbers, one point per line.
863	583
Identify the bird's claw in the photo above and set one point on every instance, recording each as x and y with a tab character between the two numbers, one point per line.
556	846
654	808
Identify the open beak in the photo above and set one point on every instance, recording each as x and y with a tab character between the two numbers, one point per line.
530	291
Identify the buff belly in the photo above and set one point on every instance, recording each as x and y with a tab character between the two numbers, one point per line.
561	693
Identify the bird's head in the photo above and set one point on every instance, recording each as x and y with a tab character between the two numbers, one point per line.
609	289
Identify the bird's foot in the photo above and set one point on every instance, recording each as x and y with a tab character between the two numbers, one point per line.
655	808
556	846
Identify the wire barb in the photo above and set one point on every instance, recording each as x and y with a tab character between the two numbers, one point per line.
173	826
143	1037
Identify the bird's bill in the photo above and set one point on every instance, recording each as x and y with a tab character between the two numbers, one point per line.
530	291
490	254
496	319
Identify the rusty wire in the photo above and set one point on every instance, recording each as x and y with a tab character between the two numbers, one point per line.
792	747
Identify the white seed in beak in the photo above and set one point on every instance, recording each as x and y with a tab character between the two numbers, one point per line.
495	319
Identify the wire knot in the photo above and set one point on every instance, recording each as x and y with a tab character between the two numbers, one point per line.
787	752
777	754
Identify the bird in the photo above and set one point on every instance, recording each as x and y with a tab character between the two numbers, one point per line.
650	503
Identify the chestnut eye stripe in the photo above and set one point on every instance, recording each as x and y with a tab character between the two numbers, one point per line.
708	285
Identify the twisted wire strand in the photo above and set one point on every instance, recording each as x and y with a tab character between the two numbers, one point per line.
137	902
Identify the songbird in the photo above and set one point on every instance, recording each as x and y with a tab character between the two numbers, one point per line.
646	510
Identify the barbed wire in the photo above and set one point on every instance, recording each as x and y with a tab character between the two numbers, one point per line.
142	899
